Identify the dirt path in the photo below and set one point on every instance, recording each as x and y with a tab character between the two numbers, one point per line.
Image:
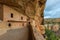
15	34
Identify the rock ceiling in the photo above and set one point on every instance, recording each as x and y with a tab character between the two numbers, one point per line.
26	7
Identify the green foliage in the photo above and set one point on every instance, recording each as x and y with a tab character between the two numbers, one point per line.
50	35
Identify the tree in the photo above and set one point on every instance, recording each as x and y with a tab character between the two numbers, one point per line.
51	35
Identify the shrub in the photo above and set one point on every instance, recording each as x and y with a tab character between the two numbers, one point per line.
50	35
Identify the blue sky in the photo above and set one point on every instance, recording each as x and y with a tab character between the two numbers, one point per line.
52	9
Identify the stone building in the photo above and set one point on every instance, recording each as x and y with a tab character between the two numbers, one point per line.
12	17
11	20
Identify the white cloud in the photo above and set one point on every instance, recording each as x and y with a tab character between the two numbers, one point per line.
52	9
47	17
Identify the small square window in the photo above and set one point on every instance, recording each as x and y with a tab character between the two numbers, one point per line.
9	24
11	15
21	18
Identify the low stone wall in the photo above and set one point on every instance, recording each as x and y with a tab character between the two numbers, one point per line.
12	25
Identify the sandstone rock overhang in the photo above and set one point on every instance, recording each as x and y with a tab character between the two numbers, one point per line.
13	5
21	5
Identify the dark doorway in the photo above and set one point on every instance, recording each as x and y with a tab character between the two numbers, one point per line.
11	15
9	24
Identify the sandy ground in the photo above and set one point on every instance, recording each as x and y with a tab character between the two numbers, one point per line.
14	34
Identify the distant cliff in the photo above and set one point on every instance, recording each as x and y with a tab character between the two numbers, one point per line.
52	20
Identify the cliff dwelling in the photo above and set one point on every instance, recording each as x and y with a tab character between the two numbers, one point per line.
22	19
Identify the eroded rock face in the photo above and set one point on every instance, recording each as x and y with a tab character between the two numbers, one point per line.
38	18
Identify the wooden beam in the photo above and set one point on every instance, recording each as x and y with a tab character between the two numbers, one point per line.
17	21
